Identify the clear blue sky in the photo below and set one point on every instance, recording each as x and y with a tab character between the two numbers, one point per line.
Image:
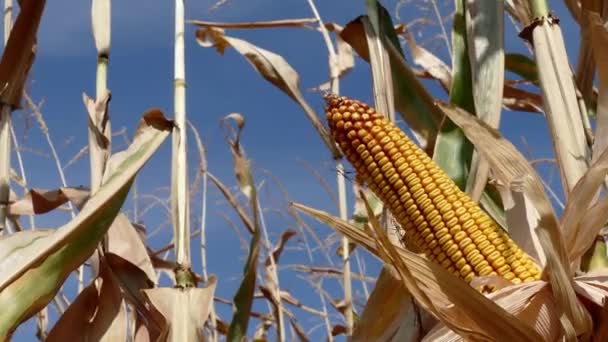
277	136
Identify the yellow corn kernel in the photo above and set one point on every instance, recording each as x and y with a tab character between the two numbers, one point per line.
436	216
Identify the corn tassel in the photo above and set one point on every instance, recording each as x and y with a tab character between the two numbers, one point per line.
436	217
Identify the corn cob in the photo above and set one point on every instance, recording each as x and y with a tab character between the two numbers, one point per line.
436	216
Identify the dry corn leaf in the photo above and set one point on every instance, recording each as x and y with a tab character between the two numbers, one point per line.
273	68
529	302
388	308
132	281
511	168
38	201
101	16
384	97
18	55
234	203
271	289
428	61
185	310
345	59
99	137
580	237
97	314
450	299
124	241
303	23
522	217
34	272
520	10
585	68
599	39
241	164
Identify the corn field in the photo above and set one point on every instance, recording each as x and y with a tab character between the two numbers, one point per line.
453	186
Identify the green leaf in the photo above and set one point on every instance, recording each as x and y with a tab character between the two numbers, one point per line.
522	65
453	152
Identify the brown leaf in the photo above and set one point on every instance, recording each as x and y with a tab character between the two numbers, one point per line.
599	38
276	253
271	67
99	136
387	308
38	201
19	53
97	314
124	241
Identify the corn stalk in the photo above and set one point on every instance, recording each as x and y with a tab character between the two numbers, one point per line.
569	142
179	177
340	177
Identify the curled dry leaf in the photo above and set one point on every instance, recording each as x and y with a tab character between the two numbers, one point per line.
578	237
97	314
38	201
273	68
241	164
345	60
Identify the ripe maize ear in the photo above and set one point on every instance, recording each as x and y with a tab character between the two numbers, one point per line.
436	216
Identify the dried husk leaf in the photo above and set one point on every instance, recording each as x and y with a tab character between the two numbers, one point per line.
448	298
529	302
521	213
508	165
387	309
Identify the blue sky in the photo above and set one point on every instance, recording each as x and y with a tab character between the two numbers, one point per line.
277	137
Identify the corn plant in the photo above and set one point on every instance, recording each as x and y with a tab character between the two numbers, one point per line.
469	242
